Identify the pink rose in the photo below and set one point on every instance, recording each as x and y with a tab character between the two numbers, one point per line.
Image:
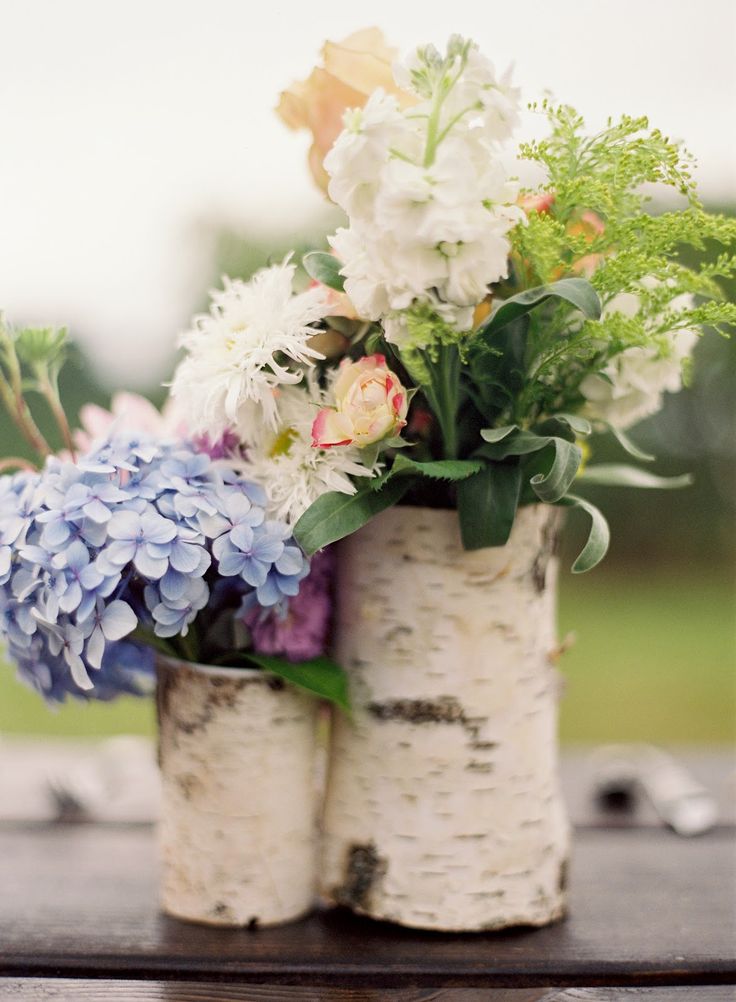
371	405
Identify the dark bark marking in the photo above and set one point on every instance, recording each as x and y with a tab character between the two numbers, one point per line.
217	693
446	710
363	869
564	871
550	548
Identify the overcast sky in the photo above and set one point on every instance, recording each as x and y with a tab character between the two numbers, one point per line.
124	124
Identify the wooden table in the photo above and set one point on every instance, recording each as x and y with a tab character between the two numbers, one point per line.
652	917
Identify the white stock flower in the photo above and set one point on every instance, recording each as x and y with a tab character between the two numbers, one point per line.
360	151
494	102
428	218
284	462
631	386
233	364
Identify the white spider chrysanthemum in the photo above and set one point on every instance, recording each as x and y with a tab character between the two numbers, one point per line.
238	353
285	463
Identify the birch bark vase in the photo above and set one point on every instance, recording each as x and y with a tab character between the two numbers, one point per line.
443	807
238	816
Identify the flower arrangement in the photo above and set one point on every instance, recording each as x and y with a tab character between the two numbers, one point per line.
479	332
459	343
450	354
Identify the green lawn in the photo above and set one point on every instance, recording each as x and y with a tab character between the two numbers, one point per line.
654	660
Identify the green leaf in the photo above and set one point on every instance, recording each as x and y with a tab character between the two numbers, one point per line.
599	537
622	475
520	443
396	442
324	268
487	505
580	425
576	291
334	515
498	434
439	469
628	446
550	487
320	676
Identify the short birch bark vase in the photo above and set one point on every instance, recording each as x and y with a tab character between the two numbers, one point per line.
238	816
443	807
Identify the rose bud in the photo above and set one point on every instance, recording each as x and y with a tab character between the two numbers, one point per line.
371	404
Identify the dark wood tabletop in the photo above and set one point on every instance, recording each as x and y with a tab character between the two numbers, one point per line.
652	917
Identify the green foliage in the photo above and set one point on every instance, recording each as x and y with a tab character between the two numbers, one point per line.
324	268
594	221
334	516
487	504
599	536
620	475
30	362
320	677
440	469
576	291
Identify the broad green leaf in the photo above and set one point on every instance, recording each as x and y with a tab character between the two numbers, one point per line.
599	537
621	475
440	469
487	504
628	446
550	487
324	268
576	291
334	515
320	676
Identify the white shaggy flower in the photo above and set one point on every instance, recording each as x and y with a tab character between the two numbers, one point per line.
284	462
238	354
632	385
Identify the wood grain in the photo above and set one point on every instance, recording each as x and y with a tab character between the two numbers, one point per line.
647	908
66	990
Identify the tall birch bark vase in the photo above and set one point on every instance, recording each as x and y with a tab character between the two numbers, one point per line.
443	808
237	831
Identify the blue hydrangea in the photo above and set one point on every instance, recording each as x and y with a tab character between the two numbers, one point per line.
137	538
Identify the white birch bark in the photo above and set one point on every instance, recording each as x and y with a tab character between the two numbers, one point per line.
238	815
443	806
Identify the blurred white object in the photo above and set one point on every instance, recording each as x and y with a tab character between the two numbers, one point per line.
119	782
624	772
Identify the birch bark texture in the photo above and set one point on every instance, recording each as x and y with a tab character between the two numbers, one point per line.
237	833
443	806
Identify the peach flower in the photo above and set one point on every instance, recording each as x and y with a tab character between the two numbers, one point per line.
371	405
352	70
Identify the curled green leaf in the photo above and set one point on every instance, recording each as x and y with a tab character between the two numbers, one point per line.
599	536
622	475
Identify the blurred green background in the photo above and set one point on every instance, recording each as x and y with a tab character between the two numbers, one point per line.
652	632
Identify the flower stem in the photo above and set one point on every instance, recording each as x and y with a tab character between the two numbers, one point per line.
51	395
16	463
21	416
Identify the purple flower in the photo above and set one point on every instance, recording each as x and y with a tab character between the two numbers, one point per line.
299	631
